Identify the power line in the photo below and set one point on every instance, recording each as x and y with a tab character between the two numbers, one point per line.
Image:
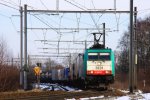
43	4
8	6
13	24
73	29
10	21
89	13
62	48
62	41
75	5
93	18
14	4
117	21
143	11
33	30
46	52
48	56
4	15
45	23
78	11
80	21
20	2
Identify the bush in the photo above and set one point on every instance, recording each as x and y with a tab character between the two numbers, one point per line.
9	78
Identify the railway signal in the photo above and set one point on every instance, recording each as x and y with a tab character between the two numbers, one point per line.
37	71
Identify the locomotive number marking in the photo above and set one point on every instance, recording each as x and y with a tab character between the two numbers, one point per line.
99	67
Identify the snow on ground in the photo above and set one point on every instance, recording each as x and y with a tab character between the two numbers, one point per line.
124	98
146	96
138	95
135	96
69	88
55	87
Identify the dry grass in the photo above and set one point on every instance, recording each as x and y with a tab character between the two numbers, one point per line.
22	93
121	81
9	78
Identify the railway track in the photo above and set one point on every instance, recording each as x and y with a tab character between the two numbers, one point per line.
68	95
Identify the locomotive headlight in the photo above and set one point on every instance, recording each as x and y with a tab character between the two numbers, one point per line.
108	72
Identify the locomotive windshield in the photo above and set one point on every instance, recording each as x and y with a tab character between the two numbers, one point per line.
92	56
98	56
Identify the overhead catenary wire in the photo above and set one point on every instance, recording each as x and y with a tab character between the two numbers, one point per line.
78	21
20	2
8	6
11	3
43	4
143	11
94	19
57	5
97	14
47	56
108	9
79	5
61	41
44	35
59	33
31	7
73	29
96	23
74	5
11	21
4	15
61	48
117	21
31	26
36	35
13	24
139	13
125	20
85	10
46	23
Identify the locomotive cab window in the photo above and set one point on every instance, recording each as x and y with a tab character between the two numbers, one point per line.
92	56
104	56
98	56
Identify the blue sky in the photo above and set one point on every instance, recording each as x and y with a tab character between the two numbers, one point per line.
10	23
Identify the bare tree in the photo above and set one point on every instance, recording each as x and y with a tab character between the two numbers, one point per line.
124	48
8	74
3	50
143	50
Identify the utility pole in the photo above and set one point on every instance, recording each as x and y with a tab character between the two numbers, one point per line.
131	49
25	47
12	62
70	67
57	5
104	34
85	44
135	48
21	47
